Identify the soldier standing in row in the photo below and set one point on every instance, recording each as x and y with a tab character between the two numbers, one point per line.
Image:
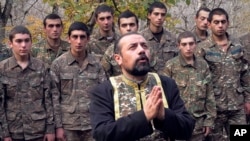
105	35
230	74
127	22
193	79
201	27
26	109
74	72
162	42
52	46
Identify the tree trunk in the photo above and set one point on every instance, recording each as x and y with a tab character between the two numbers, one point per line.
55	9
4	16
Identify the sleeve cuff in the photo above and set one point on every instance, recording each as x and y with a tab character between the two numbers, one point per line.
50	128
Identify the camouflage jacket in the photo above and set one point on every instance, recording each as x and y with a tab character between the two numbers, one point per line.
197	38
108	62
194	83
25	100
43	51
70	95
98	43
5	53
245	41
230	73
161	51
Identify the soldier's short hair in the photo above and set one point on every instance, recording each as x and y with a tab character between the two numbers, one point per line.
154	5
78	26
127	14
52	16
202	9
103	8
117	46
185	34
18	30
217	11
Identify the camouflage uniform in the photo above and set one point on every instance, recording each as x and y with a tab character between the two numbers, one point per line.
43	51
108	62
245	41
5	53
197	38
70	96
26	100
230	78
194	83
99	44
162	50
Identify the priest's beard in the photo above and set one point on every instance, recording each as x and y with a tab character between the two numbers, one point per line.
140	68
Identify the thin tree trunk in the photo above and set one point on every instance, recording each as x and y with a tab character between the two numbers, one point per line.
4	16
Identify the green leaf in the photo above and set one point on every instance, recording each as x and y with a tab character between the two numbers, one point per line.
188	2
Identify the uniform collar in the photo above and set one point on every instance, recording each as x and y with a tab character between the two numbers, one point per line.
185	64
13	63
71	59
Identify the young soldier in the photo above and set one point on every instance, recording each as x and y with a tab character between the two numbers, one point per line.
193	79
230	72
138	105
26	107
74	72
105	35
162	43
201	27
127	22
52	46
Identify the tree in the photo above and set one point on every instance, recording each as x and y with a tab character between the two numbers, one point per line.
4	17
83	10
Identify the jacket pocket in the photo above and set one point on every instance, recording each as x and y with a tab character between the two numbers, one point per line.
36	89
66	81
10	88
38	122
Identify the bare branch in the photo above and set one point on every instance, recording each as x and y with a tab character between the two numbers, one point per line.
220	3
27	11
115	5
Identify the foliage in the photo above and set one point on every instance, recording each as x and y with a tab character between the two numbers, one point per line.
82	10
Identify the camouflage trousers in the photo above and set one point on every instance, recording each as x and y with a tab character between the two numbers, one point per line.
223	121
76	135
39	139
198	137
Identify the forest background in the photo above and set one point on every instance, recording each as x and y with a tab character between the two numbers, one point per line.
180	17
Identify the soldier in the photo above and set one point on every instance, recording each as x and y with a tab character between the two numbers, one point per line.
105	35
137	105
162	43
201	27
52	46
245	40
230	73
193	79
26	107
74	72
127	22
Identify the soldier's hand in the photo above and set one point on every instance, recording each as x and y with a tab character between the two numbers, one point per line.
206	131
247	108
49	137
7	139
161	111
153	103
60	135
